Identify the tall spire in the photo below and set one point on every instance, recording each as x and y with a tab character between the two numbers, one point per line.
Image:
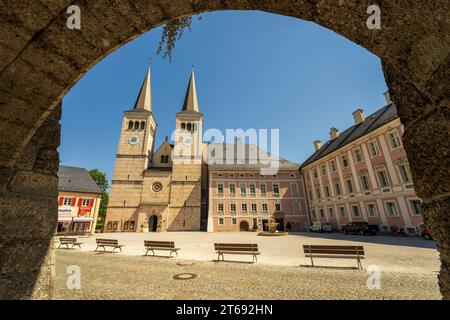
191	100
144	100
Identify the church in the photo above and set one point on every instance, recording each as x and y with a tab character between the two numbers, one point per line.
172	188
152	189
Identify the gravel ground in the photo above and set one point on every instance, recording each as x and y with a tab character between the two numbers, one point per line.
116	276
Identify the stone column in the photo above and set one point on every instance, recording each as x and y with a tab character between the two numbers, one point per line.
28	216
425	113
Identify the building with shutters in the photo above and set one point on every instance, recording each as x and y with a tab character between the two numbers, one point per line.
78	202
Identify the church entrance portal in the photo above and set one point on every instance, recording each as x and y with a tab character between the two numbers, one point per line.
153	224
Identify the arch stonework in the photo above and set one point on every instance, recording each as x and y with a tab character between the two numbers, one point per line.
41	59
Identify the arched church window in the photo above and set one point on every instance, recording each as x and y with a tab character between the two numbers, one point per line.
136	125
183	126
189	127
143	125
130	125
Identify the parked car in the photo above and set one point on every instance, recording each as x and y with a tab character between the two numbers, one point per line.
362	228
396	231
321	227
426	234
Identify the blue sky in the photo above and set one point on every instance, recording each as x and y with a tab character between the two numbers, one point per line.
253	70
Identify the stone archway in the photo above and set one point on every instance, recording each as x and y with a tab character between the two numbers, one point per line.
41	60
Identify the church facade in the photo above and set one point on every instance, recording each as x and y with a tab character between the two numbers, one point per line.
158	190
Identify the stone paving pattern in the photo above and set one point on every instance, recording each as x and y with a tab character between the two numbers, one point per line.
108	276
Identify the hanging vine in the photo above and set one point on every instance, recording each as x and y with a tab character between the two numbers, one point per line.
172	32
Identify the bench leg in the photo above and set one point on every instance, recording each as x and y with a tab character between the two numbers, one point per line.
146	252
360	266
312	262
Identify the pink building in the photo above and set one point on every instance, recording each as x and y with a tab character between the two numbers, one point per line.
362	174
241	198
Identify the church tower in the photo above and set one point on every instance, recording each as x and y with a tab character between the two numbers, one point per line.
134	155
185	199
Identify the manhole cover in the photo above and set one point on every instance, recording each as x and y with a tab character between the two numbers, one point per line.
185	276
181	264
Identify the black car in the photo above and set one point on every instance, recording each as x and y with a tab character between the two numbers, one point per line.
362	228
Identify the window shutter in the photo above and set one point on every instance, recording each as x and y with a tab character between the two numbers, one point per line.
61	201
74	201
79	202
91	203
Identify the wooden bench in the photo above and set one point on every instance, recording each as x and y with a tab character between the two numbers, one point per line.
334	252
103	243
237	248
160	245
69	241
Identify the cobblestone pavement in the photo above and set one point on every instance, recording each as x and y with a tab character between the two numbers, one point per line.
115	276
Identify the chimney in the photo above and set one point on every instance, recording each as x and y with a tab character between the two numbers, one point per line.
334	133
387	95
359	117
317	144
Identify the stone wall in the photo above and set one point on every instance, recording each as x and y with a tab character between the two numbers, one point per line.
40	60
28	216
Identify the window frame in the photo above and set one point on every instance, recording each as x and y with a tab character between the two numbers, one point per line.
373	143
369	205
357	153
353	211
220	186
394	206
395	139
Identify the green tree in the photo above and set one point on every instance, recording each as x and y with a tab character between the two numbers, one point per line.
102	182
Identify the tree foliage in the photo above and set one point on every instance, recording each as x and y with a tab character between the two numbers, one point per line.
172	32
102	182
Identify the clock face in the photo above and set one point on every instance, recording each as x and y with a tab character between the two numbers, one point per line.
133	140
187	141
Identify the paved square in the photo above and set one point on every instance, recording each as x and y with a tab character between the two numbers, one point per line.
409	269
